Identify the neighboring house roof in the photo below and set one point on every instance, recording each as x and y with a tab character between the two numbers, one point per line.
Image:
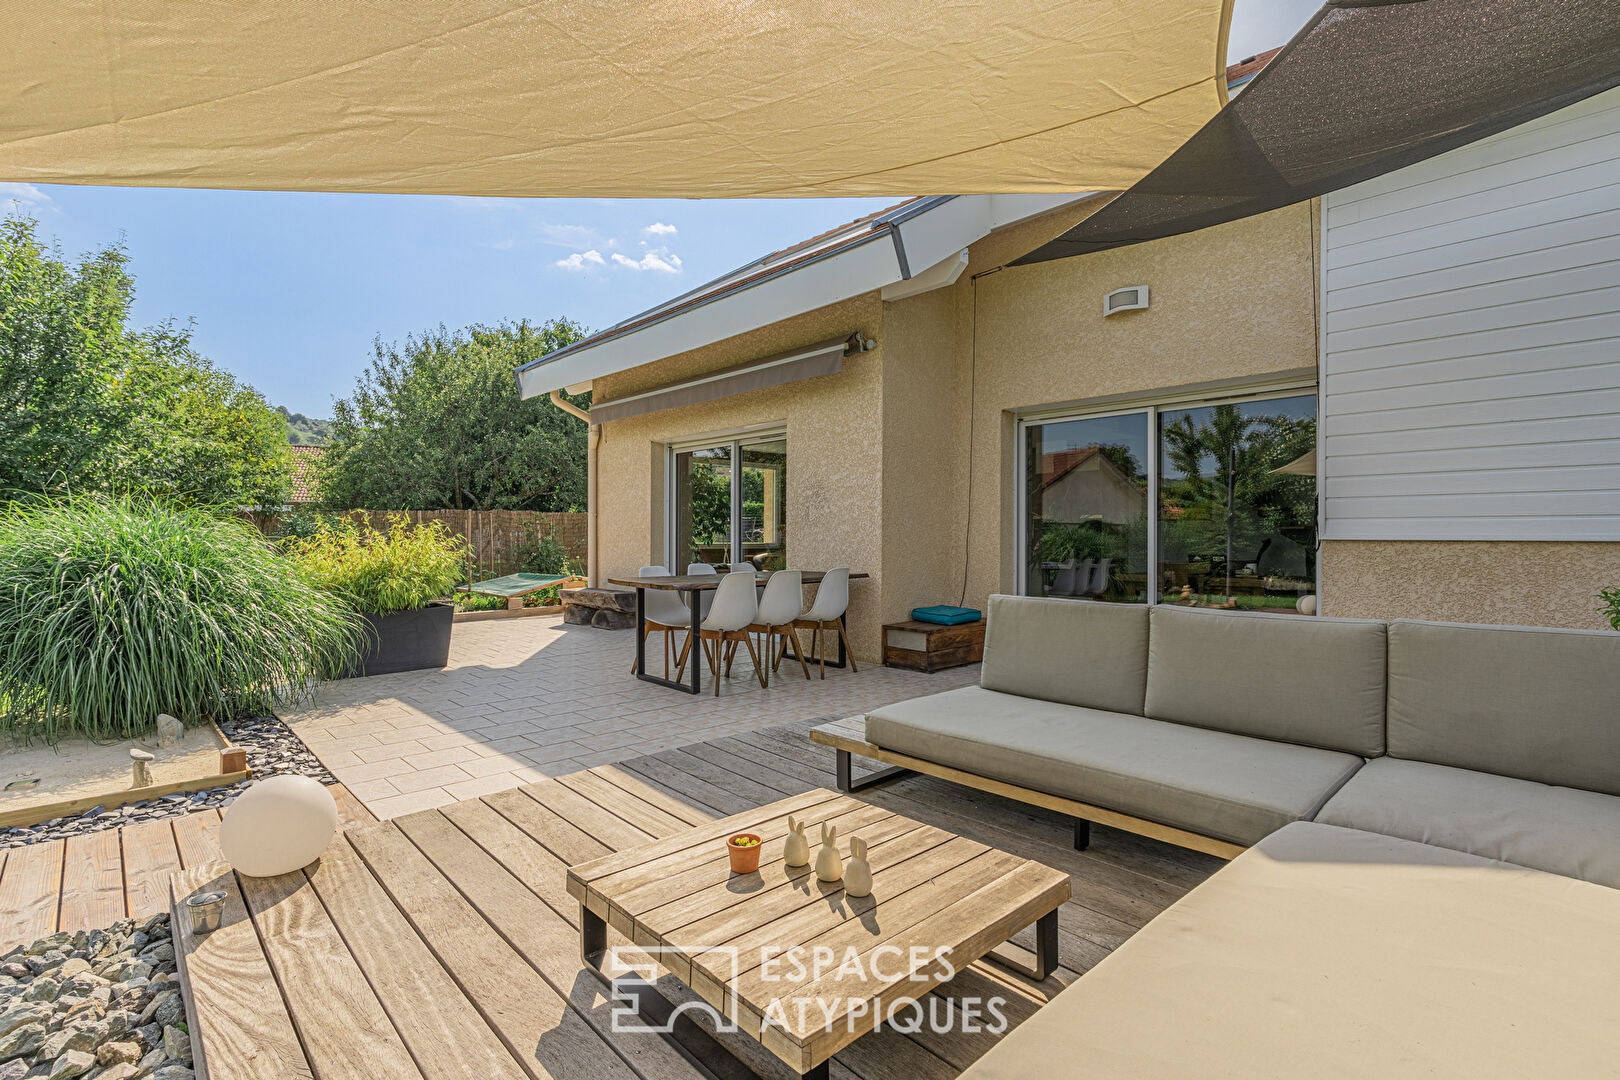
1060	463
913	246
304	457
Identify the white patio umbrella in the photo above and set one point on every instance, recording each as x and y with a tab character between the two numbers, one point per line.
607	97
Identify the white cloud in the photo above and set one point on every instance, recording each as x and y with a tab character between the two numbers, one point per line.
658	228
662	260
579	260
23	197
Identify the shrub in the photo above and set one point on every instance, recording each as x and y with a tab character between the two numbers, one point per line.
114	610
406	567
1611	606
466	601
544	554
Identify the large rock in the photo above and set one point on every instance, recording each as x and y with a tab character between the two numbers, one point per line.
170	731
606	608
71	1064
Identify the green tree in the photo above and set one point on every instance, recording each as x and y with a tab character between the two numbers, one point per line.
437	423
88	404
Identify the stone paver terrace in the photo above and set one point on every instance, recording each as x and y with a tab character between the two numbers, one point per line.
524	699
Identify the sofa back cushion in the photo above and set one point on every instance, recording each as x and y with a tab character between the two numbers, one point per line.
1078	652
1530	702
1307	680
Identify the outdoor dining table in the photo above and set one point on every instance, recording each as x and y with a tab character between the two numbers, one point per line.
694	585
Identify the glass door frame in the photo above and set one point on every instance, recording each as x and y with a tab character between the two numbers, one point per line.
736	441
1148	406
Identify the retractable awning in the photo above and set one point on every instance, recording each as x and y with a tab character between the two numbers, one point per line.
824	358
1368	87
698	98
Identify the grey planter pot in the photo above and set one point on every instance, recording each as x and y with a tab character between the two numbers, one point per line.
405	641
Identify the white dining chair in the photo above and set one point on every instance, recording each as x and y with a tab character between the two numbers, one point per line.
1063	580
707	598
667	614
826	612
1082	577
729	619
778	608
1099	578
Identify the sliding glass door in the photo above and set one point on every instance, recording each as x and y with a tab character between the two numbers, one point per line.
728	503
1232	491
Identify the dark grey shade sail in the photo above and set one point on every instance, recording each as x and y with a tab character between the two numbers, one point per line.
1365	88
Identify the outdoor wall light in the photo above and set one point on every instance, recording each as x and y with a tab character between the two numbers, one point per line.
1130	298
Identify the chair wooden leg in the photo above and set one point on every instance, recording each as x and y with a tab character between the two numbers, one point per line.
849	653
798	652
680	661
759	669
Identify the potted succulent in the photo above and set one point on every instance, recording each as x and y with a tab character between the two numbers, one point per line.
397	579
744	849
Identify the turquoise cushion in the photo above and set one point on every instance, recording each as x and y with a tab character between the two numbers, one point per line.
945	615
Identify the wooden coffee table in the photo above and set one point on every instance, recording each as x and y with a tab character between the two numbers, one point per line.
771	950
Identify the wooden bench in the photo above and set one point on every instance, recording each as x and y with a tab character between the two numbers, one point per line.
848	738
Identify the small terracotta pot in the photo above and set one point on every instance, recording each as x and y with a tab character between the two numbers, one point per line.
744	859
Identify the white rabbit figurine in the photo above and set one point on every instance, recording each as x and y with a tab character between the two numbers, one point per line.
829	864
858	874
797	851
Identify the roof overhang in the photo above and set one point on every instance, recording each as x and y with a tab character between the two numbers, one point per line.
920	242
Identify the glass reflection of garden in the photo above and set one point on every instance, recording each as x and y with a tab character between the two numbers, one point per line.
707	488
1233	530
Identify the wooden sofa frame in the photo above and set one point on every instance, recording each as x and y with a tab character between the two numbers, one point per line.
848	737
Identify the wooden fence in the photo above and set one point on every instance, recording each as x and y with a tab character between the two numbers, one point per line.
494	537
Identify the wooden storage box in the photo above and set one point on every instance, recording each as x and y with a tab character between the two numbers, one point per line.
931	647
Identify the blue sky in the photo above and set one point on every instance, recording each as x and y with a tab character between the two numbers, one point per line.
287	290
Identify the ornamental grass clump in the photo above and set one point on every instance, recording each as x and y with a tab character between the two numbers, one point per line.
115	610
381	572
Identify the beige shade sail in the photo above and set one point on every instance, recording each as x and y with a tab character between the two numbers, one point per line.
695	98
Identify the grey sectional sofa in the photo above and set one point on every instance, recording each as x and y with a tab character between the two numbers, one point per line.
1423	821
1221	727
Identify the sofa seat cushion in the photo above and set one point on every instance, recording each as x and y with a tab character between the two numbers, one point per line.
1230	787
1335	954
1563	830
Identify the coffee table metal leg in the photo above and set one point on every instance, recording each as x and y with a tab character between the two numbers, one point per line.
1046	950
655	1011
847	781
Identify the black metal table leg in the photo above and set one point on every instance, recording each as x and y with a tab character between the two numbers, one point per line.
846	779
696	686
1082	834
1046	950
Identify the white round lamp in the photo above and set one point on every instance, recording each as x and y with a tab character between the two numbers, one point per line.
278	825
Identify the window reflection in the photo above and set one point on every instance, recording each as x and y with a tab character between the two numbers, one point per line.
1237	504
1086	508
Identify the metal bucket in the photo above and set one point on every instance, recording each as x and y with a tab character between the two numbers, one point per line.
205	909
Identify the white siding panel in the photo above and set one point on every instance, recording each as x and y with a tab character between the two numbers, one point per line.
1471	340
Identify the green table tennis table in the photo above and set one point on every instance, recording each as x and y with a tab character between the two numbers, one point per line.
514	587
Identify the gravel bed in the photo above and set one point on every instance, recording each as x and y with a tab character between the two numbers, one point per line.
272	749
97	1004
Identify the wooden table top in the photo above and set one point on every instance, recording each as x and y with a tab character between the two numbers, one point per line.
699	582
734	939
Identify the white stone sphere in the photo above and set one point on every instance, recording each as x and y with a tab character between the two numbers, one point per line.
278	825
1306	605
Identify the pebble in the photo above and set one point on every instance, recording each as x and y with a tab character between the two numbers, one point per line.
272	749
63	1026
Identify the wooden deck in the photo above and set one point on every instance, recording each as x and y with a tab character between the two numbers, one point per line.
96	879
444	944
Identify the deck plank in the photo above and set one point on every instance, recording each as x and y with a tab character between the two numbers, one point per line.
92	881
445	1034
664	798
343	1026
150	857
245	1029
601	823
549	942
30	892
197	837
351	811
644	815
547	1037
548	828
